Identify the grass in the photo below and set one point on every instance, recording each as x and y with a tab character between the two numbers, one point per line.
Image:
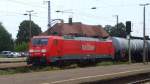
9	71
2	56
108	63
29	69
11	60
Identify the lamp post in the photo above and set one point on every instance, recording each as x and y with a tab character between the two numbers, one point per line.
144	39
94	8
67	11
29	13
117	20
64	11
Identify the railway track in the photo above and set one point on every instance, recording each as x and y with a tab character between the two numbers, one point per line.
12	65
12	60
117	74
144	81
135	79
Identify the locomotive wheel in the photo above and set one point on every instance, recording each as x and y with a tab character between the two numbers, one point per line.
39	62
35	62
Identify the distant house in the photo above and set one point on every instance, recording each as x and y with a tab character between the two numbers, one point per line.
76	29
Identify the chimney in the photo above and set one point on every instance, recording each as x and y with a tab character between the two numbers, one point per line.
70	21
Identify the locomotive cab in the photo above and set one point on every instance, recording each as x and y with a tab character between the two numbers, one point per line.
38	50
41	49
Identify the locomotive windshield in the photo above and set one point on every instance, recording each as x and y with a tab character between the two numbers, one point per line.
39	41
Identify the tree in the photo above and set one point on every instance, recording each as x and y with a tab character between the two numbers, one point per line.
6	41
108	28
118	32
24	31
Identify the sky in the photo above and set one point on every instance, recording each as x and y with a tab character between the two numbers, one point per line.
12	13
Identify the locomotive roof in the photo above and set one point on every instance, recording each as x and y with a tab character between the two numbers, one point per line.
67	37
58	37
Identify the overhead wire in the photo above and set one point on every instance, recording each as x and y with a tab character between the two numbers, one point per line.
26	4
10	13
31	5
94	16
82	14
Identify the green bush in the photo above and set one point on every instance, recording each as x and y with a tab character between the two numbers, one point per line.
21	47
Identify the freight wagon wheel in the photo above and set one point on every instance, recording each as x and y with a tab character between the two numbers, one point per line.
88	62
124	56
80	63
117	56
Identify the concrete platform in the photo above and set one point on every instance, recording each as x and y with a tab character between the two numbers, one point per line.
76	76
12	60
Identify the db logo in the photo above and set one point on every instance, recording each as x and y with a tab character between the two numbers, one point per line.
88	47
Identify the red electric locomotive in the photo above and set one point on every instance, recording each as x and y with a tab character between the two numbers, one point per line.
49	49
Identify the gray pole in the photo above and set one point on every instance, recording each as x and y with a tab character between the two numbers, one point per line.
144	39
129	48
117	21
49	14
30	33
30	24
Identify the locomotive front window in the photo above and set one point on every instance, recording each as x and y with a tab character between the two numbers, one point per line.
39	41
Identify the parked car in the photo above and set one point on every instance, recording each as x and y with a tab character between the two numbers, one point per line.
24	54
15	54
6	53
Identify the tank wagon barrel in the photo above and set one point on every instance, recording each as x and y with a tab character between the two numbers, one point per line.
136	45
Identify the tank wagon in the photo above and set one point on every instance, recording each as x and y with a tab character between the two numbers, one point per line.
50	49
136	46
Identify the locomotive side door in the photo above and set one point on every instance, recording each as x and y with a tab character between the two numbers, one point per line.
58	47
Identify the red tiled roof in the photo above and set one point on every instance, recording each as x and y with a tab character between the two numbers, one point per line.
78	29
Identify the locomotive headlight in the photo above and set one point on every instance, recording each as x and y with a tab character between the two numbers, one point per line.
31	50
43	50
44	54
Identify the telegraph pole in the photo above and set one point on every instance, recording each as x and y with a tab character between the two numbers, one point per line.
144	39
30	14
49	13
117	20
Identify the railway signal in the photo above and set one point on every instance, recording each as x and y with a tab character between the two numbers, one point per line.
128	27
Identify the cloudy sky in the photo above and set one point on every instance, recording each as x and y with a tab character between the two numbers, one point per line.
11	13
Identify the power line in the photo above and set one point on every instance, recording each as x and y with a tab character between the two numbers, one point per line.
25	4
10	12
94	16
